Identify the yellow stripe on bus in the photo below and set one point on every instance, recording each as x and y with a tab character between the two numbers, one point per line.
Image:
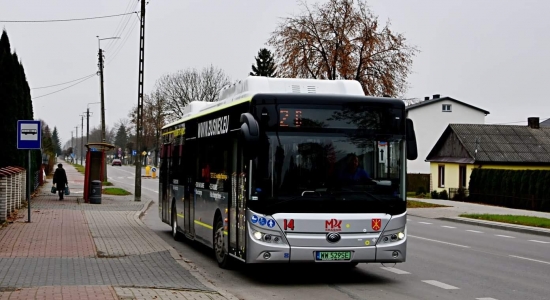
181	216
207	226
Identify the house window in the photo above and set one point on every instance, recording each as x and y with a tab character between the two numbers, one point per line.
441	176
446	107
462	176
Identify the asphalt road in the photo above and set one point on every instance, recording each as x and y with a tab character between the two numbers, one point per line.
445	260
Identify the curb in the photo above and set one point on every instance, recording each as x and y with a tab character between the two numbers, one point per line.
497	225
187	264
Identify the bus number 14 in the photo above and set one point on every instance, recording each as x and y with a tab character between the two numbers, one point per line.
288	224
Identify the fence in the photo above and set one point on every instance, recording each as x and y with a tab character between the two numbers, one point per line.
13	181
418	183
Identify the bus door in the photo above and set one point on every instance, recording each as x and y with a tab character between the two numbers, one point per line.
164	184
237	215
189	195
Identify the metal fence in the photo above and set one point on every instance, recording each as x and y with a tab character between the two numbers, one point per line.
13	181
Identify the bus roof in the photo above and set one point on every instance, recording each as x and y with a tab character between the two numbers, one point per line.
243	90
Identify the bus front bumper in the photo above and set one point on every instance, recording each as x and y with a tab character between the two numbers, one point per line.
386	253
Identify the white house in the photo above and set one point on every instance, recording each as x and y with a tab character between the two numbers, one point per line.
431	117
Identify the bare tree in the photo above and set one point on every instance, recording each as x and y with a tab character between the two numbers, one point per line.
343	39
188	85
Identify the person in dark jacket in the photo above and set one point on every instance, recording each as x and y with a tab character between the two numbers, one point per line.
60	180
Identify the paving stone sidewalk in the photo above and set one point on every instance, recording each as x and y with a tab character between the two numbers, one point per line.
76	250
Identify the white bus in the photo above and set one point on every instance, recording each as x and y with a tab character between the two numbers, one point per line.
290	170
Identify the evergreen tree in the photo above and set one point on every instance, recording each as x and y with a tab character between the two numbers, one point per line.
8	101
56	142
265	64
121	138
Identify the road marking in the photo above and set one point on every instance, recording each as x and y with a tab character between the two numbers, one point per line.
505	236
535	260
448	226
121	177
542	242
441	284
446	243
475	231
425	223
486	299
130	177
394	270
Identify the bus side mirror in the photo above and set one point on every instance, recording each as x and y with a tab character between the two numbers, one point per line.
412	151
250	131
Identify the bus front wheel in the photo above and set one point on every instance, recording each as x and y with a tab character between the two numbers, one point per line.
224	261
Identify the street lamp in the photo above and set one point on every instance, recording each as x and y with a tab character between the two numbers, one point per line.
103	97
101	78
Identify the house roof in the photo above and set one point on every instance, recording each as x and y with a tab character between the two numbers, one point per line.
500	144
545	123
428	102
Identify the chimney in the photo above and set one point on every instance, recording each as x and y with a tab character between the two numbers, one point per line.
426	98
533	122
436	96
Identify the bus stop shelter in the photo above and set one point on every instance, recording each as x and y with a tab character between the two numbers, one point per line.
95	165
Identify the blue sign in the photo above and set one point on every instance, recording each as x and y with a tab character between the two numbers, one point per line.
29	134
262	221
134	152
286	255
254	219
270	223
93	149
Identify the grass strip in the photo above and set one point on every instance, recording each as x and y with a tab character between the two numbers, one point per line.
116	191
420	204
511	219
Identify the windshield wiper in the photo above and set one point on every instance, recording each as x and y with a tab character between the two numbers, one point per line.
360	193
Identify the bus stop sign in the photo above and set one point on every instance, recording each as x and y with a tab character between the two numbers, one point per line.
29	134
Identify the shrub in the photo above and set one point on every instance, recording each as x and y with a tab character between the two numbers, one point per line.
435	195
443	195
420	190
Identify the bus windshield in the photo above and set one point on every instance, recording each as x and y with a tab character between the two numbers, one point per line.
327	169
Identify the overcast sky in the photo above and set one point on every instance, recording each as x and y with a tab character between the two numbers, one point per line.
493	54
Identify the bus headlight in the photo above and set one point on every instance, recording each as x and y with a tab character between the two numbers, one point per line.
400	235
258	235
268	237
393	236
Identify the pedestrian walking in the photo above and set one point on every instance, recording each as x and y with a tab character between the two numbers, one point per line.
60	180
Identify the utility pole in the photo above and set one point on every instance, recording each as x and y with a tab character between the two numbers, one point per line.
72	144
81	137
139	120
76	142
87	125
100	55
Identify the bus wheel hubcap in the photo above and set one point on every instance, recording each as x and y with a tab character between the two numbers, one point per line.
219	243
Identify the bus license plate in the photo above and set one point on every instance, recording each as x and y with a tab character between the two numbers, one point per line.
333	255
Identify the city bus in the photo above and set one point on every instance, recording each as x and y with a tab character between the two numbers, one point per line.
290	170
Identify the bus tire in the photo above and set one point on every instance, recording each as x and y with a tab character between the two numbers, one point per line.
175	233
222	257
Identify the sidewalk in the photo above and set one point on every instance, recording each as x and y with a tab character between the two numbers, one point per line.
76	250
457	208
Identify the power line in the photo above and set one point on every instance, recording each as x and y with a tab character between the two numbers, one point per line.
43	87
86	78
64	20
515	122
120	28
117	50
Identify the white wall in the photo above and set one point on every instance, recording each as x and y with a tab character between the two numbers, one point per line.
430	122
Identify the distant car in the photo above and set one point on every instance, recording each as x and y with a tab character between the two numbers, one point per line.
116	162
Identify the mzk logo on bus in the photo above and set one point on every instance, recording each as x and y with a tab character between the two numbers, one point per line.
333	225
213	127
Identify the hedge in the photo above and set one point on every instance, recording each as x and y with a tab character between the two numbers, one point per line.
525	189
